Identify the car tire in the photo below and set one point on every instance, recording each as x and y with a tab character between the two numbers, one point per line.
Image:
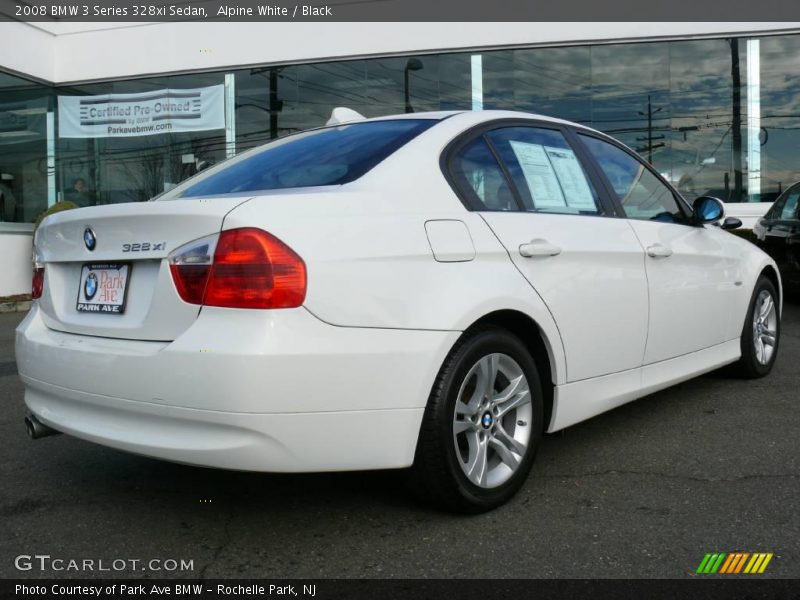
761	325
478	414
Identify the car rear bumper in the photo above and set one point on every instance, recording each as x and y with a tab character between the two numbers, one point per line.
253	390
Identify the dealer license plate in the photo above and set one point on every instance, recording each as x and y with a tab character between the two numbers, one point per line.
103	287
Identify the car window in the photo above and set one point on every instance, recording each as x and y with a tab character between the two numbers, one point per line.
777	207
326	156
788	211
643	196
545	170
479	179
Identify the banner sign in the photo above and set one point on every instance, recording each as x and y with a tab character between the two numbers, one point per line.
147	113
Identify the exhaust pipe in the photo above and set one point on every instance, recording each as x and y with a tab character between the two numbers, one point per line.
36	429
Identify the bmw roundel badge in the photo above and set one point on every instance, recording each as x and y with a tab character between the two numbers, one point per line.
90	286
89	238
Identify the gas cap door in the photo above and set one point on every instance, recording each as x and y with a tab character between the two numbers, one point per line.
450	240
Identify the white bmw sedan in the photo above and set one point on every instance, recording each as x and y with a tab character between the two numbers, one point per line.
432	291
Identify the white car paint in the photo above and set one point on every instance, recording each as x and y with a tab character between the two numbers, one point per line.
598	275
693	291
397	269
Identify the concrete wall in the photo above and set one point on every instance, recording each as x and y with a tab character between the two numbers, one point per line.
28	50
15	268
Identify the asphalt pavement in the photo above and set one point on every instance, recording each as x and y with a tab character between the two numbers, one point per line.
642	491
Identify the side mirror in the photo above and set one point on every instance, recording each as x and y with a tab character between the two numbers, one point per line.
731	223
708	209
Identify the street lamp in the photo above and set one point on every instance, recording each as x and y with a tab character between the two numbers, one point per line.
413	64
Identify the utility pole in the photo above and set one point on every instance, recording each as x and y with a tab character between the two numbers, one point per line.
650	137
413	64
275	104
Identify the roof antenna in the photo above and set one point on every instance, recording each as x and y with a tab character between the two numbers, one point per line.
341	115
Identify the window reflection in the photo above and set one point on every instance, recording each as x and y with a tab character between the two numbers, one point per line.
111	169
683	105
706	134
780	114
631	96
23	149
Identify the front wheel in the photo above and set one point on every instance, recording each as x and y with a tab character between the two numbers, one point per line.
482	425
761	332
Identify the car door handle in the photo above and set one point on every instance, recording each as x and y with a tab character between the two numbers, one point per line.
658	251
539	247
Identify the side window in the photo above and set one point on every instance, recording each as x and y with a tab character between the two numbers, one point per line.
545	170
479	178
642	195
776	209
789	209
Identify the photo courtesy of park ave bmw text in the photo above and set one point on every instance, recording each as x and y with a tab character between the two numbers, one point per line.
398	298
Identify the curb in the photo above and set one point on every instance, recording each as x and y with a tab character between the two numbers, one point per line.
15	307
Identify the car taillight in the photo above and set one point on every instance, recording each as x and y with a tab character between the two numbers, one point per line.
239	268
190	266
37	283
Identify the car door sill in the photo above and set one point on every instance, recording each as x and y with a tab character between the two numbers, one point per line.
580	400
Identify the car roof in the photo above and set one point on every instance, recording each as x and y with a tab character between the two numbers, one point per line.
487	115
479	116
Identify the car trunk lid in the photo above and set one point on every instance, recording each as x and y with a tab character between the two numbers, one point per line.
128	263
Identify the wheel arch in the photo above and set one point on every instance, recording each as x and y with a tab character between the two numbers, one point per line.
771	273
537	343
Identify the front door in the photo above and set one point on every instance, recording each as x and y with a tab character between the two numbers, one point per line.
693	271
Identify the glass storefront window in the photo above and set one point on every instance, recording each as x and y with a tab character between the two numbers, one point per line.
707	88
555	82
780	114
24	109
110	169
713	116
631	96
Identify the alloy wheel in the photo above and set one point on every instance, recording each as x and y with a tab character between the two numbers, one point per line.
492	420
765	327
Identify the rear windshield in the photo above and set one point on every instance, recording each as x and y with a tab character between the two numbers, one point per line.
327	156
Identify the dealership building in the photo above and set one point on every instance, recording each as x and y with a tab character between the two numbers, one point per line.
101	113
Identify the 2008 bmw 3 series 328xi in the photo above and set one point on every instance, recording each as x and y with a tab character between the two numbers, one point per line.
431	290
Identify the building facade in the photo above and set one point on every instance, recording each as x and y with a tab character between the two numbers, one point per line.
714	107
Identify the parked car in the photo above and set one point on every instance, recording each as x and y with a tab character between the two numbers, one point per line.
432	291
778	233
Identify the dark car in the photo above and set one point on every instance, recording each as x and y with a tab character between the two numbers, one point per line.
778	234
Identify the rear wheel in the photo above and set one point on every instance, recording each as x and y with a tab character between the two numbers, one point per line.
761	332
482	425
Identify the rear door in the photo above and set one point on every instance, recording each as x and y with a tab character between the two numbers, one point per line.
694	272
114	256
532	189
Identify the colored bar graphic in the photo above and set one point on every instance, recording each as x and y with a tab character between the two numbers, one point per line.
733	563
703	563
727	564
740	564
764	564
712	560
718	562
755	562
